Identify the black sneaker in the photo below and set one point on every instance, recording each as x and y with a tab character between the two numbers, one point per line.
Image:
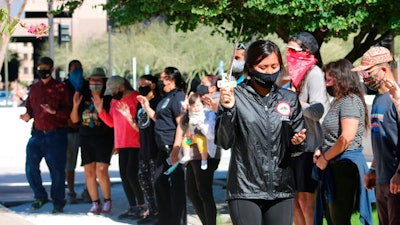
38	203
58	209
85	196
151	219
142	212
71	198
129	214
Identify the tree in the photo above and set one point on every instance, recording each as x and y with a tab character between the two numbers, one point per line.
7	27
371	20
158	46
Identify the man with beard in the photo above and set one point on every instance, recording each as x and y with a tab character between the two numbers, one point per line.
376	66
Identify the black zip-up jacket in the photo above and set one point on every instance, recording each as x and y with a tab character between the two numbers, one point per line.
258	130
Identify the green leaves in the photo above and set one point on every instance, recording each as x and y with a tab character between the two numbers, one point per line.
7	23
325	19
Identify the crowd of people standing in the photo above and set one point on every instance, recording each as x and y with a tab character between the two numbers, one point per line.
296	149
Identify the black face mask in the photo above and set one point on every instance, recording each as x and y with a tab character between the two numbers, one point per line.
160	86
330	90
144	90
43	74
202	90
118	96
265	80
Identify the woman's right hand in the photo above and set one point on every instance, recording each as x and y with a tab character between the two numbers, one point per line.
227	98
77	98
143	101
98	103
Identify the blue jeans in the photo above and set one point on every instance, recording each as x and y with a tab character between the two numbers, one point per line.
52	147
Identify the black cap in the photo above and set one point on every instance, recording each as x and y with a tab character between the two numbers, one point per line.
46	61
308	40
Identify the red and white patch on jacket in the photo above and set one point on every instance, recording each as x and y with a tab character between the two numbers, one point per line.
283	108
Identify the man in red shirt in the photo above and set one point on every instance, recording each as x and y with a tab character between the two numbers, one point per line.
49	104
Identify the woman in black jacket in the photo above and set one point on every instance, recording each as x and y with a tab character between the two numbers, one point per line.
263	125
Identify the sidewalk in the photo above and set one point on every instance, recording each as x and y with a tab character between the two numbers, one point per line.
16	196
76	213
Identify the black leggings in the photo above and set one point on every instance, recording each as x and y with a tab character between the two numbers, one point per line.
170	193
261	212
347	184
146	180
199	187
128	170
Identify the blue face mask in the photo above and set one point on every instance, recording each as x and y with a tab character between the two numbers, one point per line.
76	78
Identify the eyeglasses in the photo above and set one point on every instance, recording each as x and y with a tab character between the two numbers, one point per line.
294	49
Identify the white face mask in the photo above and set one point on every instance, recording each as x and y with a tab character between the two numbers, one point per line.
237	66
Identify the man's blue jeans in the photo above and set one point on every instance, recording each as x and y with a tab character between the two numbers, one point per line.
52	147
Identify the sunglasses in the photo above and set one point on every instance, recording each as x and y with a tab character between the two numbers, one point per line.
241	46
366	74
294	49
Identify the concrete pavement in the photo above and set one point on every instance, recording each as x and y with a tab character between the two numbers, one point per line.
16	195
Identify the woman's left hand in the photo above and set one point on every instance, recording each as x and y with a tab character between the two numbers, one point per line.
123	108
299	137
320	160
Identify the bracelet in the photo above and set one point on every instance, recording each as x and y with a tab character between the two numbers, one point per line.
323	156
372	169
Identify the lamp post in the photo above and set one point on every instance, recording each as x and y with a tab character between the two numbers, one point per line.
51	29
109	29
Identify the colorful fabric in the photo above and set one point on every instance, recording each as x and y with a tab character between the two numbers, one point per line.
299	63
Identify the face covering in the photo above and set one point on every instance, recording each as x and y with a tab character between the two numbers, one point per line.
118	96
298	64
160	86
202	90
330	90
264	79
76	78
43	74
96	86
144	90
372	84
237	66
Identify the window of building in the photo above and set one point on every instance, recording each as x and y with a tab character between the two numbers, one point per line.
26	70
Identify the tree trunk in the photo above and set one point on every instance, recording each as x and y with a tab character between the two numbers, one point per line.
3	49
6	37
369	37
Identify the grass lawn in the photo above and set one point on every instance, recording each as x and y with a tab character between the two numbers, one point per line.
355	218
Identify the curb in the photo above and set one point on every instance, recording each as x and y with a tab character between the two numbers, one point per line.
9	217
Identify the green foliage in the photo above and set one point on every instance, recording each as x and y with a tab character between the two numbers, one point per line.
373	20
7	23
158	46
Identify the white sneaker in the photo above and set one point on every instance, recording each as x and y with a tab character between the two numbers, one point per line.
204	164
184	159
106	207
96	209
